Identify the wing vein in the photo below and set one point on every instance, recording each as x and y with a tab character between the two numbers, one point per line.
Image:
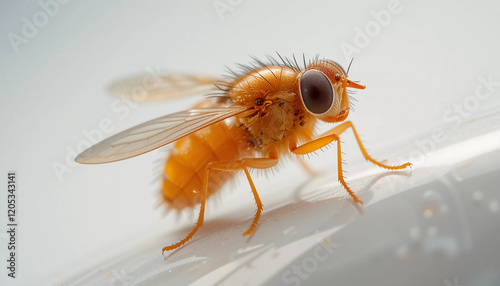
155	133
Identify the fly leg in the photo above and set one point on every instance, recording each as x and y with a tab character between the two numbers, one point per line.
342	127
333	135
319	143
256	163
243	164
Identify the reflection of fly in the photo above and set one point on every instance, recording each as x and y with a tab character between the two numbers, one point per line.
266	112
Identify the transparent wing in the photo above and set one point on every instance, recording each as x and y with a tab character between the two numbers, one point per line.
155	87
154	134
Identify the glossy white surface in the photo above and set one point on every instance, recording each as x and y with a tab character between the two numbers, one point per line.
433	67
437	224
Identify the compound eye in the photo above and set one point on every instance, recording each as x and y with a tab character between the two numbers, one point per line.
316	91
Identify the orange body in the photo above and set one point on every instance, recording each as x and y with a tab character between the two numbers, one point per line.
262	115
185	168
285	123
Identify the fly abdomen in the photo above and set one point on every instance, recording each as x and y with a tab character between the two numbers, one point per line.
185	169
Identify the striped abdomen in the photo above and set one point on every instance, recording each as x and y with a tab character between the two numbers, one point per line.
185	169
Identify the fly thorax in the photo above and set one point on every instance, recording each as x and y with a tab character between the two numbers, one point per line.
273	124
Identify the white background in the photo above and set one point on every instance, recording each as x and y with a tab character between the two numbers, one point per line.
417	66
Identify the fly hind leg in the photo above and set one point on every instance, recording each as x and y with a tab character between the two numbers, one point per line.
243	164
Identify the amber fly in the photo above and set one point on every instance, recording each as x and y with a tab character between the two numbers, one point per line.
265	112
